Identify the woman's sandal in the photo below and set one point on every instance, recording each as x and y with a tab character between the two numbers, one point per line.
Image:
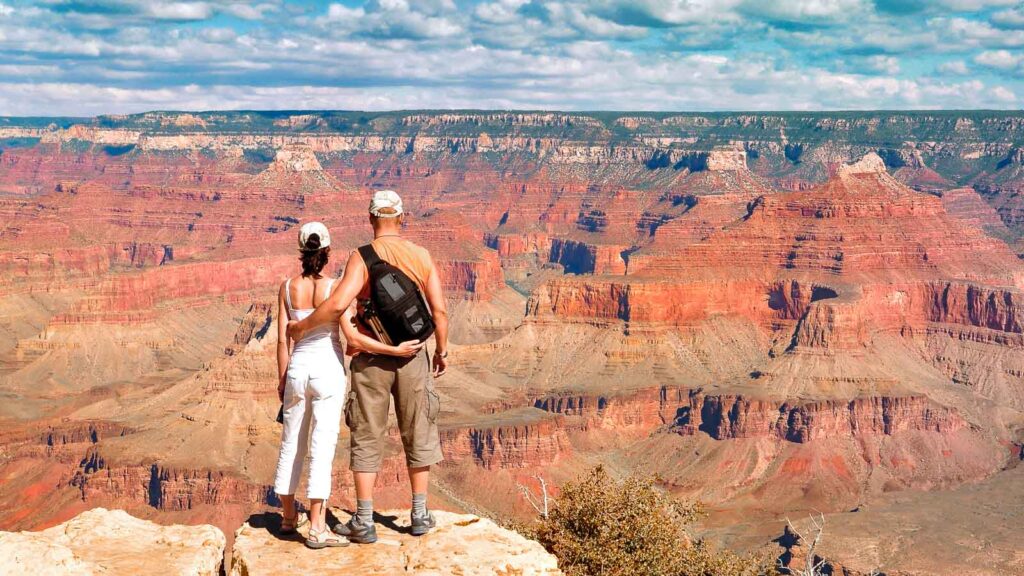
290	526
324	539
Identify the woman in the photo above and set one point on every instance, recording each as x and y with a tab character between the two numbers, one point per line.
312	386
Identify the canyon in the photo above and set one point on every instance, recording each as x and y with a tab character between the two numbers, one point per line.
773	313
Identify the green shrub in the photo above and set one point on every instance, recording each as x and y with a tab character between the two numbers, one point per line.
599	526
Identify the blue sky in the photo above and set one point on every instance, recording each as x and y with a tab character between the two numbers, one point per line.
86	57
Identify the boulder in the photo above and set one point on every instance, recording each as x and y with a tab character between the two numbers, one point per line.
101	541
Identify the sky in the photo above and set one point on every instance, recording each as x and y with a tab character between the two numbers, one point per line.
91	57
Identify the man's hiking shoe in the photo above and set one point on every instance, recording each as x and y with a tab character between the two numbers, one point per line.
357	531
422	524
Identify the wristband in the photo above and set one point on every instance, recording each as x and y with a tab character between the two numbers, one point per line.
443	356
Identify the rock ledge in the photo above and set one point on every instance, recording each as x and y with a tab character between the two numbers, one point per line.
102	541
461	544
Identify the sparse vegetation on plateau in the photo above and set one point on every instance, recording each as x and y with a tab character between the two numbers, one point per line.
600	526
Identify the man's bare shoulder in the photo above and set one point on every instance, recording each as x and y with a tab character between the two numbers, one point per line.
416	248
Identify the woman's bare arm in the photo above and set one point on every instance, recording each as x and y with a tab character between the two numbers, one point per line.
363	342
283	343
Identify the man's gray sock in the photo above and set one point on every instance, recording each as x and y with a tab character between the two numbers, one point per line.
419	505
364	510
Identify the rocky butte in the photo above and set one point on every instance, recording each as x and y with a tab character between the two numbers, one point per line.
774	313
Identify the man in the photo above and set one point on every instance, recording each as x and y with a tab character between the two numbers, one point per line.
376	378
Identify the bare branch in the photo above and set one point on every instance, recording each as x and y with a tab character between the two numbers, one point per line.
544	493
539	503
811	567
793	529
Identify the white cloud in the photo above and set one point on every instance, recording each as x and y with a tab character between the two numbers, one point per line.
1001	59
971	5
29	70
976	33
885	64
6	10
179	10
1004	94
94	21
954	67
501	12
862	36
939	6
118	74
250	11
340	12
808	10
668	12
569	54
590	25
588	75
217	35
397	19
1013	18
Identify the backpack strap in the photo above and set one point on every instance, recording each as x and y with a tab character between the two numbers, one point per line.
370	257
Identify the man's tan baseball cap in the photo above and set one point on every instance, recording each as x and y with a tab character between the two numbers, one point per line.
386	199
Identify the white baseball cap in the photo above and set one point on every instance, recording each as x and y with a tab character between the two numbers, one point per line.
386	199
310	228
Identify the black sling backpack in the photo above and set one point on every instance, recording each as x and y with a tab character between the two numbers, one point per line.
396	311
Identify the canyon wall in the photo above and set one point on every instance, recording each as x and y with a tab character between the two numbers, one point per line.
723	417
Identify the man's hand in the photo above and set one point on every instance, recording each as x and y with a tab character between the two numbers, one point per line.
440	364
409	349
280	388
294	333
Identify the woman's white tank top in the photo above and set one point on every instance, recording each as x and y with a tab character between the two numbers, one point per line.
323	338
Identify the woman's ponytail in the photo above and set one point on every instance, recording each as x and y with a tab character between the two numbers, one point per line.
314	258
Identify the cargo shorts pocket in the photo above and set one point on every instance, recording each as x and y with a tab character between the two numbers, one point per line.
351	409
433	404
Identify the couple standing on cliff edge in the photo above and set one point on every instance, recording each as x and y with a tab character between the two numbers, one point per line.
390	292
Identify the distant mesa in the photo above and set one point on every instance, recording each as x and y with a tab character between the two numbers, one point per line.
300	121
870	163
727	160
184	121
295	159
